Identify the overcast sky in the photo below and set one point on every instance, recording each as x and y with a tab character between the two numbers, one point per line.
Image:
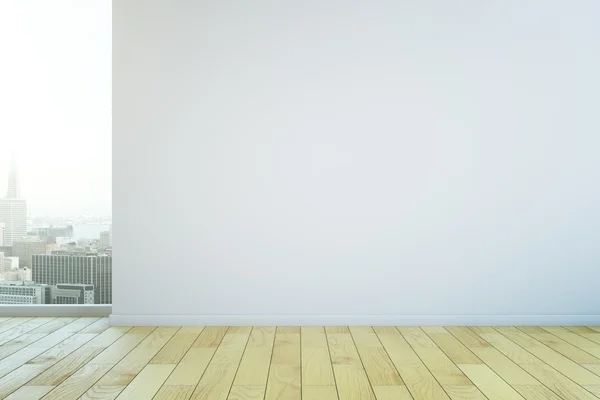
55	103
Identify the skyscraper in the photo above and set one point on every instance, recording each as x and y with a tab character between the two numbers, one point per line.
104	240
13	208
27	247
2	229
14	190
68	267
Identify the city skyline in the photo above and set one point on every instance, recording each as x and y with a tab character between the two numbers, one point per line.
45	265
12	189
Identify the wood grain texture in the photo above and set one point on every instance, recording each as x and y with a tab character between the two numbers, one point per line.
284	382
78	383
191	368
32	336
60	371
577	340
85	358
452	347
122	346
37	358
352	383
174	392
99	392
392	393
379	367
247	393
17	378
216	382
285	373
13	322
567	349
554	359
210	336
131	365
254	366
30	393
490	384
316	359
20	329
465	392
418	379
342	349
176	348
557	382
316	367
443	369
536	392
543	373
319	393
147	383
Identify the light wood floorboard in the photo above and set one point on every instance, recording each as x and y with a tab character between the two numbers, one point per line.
85	358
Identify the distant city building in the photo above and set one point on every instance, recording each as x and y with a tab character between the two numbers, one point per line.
104	240
2	229
62	241
13	214
28	292
50	247
18	274
11	262
25	248
72	294
76	268
1	266
73	248
21	292
55	231
13	209
7	250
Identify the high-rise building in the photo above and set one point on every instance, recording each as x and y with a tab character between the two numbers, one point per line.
1	266
2	229
14	188
27	247
84	268
104	240
13	209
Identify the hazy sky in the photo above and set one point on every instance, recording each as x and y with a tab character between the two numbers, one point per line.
55	103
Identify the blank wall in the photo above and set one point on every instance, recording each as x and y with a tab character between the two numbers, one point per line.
356	162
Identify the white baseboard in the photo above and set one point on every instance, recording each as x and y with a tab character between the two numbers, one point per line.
51	310
353	320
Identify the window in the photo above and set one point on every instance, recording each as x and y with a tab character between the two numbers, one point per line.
55	152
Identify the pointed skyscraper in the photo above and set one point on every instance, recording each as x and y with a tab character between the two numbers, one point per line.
13	208
13	191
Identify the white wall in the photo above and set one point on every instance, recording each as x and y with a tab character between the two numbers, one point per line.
356	162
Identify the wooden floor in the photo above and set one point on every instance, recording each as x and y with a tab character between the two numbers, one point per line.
84	358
